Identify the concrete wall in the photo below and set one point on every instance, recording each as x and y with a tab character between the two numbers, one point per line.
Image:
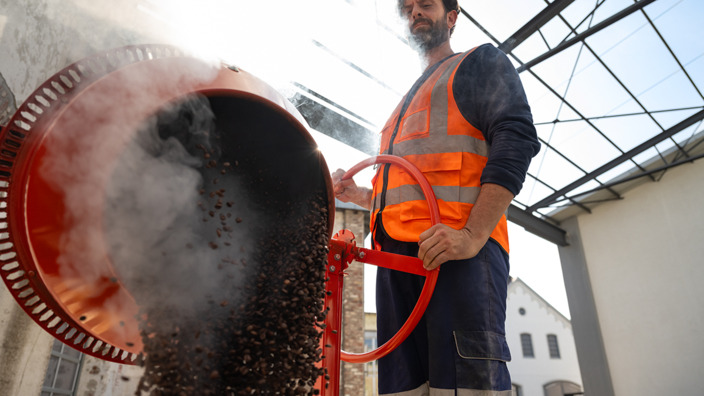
24	349
40	37
37	39
645	262
539	320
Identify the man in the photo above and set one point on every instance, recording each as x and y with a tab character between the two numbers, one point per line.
467	126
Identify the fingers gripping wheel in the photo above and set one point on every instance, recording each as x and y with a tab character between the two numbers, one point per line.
409	264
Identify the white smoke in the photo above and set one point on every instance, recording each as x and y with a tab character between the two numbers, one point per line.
133	199
155	218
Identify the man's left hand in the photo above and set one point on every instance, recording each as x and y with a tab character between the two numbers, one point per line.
441	243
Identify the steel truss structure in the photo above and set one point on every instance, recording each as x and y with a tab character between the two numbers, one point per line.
647	158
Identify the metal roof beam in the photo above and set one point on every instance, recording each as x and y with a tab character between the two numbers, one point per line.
583	36
662	168
618	160
333	120
536	226
534	25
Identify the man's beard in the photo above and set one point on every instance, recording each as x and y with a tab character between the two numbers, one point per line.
425	40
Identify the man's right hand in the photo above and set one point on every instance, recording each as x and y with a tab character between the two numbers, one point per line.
348	191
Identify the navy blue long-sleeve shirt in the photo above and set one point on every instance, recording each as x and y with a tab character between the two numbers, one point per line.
490	96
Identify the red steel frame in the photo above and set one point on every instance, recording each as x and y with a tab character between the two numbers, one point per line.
343	251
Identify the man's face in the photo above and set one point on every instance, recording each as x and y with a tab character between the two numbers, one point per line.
427	23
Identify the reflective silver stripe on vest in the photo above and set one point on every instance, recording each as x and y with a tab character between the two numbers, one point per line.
447	144
426	390
471	392
439	100
422	390
413	192
438	140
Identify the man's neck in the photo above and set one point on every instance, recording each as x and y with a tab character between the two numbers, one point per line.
435	55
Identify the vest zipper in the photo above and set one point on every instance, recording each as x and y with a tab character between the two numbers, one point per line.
385	176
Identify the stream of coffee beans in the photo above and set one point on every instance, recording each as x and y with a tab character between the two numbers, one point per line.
267	345
256	328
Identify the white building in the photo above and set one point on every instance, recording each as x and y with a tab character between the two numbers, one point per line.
633	275
544	359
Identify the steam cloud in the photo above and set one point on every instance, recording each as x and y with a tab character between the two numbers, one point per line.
140	208
163	240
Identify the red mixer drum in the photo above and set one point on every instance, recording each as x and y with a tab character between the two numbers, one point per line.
119	169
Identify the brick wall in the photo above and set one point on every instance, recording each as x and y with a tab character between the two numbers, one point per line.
352	381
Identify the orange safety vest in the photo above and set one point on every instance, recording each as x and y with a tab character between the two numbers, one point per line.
434	136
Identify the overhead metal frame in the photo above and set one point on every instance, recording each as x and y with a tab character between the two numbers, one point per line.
534	24
653	171
352	129
550	199
560	194
584	35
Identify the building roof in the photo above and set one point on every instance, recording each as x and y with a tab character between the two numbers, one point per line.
517	282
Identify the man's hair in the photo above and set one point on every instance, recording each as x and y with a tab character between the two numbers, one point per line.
450	5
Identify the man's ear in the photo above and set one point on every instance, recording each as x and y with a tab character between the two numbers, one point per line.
451	18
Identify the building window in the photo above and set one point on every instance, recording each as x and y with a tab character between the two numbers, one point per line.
527	345
62	374
562	388
553	347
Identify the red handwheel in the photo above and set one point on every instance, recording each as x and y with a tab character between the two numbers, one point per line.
431	277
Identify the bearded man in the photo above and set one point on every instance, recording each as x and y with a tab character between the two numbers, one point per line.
466	125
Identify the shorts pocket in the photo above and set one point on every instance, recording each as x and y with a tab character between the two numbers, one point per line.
485	345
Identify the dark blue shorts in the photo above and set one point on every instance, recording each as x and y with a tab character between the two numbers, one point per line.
460	342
